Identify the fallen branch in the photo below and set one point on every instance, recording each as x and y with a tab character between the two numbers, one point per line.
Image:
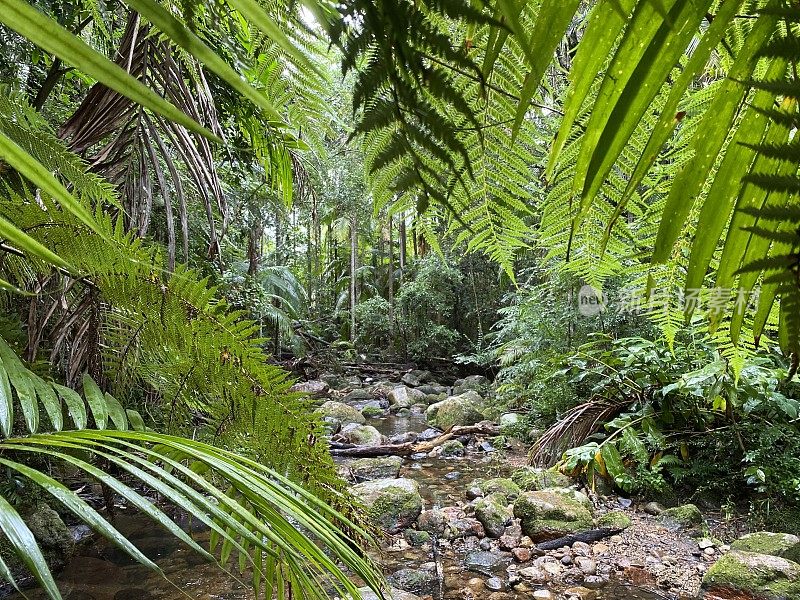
592	535
407	448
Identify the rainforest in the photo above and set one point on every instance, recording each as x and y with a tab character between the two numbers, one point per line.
400	299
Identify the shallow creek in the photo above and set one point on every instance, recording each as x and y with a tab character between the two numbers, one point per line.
102	572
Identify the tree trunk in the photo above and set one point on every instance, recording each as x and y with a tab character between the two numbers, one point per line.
390	285
353	270
403	242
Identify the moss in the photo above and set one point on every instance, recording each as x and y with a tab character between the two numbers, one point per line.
551	513
616	519
687	515
500	485
452	448
531	478
372	411
492	511
761	575
776	544
417	538
395	508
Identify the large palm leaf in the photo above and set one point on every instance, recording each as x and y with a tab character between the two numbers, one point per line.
250	509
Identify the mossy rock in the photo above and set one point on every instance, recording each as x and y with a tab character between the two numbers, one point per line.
784	545
339	412
455	410
452	448
500	485
492	512
381	467
530	479
372	411
550	514
393	504
361	435
616	519
416	537
687	516
757	575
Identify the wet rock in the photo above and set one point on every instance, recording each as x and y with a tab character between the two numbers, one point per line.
452	448
432	521
494	584
616	519
493	513
455	410
360	435
414	580
477	383
549	514
509	421
394	594
402	438
579	593
462	528
531	479
416	378
534	574
54	537
417	538
486	446
452	476
587	565
393	504
784	545
404	397
314	388
372	410
752	575
653	508
499	485
682	517
521	554
336	382
484	562
429	434
357	396
542	595
511	538
340	413
433	389
382	467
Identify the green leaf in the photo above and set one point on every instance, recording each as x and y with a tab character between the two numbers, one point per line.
186	39
6	402
25	547
116	412
21	381
715	127
96	401
75	405
25	243
52	37
135	420
50	401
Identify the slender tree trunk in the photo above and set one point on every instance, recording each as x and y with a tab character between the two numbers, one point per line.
353	270
403	243
390	284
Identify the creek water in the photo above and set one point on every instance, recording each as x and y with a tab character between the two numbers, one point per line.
100	571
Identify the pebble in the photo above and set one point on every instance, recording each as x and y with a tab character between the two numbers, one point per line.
586	565
709	551
494	584
521	554
705	543
653	508
543	595
593	582
581	549
453	475
599	549
566	560
535	574
625	502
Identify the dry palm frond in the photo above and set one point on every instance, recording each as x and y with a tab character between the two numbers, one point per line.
574	427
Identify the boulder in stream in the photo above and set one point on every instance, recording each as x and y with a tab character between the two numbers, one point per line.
553	513
404	397
365	593
339	413
533	478
417	378
360	435
416	581
784	545
493	513
752	575
456	410
381	467
393	504
314	388
477	383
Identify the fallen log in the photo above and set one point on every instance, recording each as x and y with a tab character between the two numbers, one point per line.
407	448
592	535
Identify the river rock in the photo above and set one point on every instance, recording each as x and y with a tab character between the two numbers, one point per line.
416	537
500	485
432	389
493	513
404	397
653	508
550	514
358	396
432	521
477	383
784	545
54	537
340	413
751	575
511	537
373	409
335	381
365	593
360	435
416	378
509	421
452	448
686	516
485	562
615	519
314	388
369	469
393	504
415	580
455	410
532	478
